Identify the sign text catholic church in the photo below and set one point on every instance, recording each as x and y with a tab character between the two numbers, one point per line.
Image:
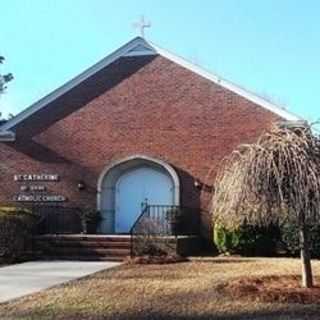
31	191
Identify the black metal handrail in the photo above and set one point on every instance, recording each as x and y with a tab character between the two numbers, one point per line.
144	210
59	220
159	222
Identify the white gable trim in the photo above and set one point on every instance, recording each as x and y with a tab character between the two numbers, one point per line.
77	80
137	47
228	85
140	50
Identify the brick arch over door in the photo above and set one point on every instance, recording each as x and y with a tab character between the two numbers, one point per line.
107	182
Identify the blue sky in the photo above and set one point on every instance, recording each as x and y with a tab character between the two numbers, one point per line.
270	47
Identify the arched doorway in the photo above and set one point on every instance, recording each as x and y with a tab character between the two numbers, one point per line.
125	185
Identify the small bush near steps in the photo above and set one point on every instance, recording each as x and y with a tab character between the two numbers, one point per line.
264	241
15	231
246	240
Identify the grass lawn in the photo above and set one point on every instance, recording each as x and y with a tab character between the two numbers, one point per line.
189	290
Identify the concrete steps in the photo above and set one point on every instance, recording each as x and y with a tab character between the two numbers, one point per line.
82	247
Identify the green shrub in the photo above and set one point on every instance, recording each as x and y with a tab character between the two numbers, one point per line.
290	239
15	231
226	241
247	240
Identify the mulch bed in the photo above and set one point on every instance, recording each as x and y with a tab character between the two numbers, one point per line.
269	289
165	259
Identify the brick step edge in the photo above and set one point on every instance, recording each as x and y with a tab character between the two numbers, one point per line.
81	238
82	244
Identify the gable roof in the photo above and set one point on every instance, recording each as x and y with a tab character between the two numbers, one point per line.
139	47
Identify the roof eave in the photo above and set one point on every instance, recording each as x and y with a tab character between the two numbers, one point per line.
121	52
253	97
7	136
133	48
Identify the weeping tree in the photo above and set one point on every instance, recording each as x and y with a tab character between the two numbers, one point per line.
273	181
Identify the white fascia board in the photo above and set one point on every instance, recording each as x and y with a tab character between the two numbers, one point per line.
140	53
140	47
228	85
122	51
7	136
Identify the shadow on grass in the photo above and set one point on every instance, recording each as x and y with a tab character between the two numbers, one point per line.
296	313
175	306
271	315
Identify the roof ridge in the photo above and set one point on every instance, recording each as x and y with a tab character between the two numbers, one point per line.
151	49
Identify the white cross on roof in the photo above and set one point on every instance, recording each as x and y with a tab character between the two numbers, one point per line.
141	25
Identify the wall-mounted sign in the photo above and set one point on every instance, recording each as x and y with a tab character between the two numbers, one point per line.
37	188
36	177
39	198
37	192
33	188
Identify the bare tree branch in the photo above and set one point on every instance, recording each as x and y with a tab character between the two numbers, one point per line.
275	180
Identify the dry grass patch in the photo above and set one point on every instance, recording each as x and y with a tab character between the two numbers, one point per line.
188	290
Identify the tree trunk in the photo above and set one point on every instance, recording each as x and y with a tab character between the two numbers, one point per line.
307	280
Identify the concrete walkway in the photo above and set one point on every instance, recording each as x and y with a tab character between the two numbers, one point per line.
30	277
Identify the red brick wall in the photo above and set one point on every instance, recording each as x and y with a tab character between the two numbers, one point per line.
141	105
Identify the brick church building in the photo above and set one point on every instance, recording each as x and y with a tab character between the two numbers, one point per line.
142	126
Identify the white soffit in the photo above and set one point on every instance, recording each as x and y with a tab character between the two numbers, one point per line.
139	47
